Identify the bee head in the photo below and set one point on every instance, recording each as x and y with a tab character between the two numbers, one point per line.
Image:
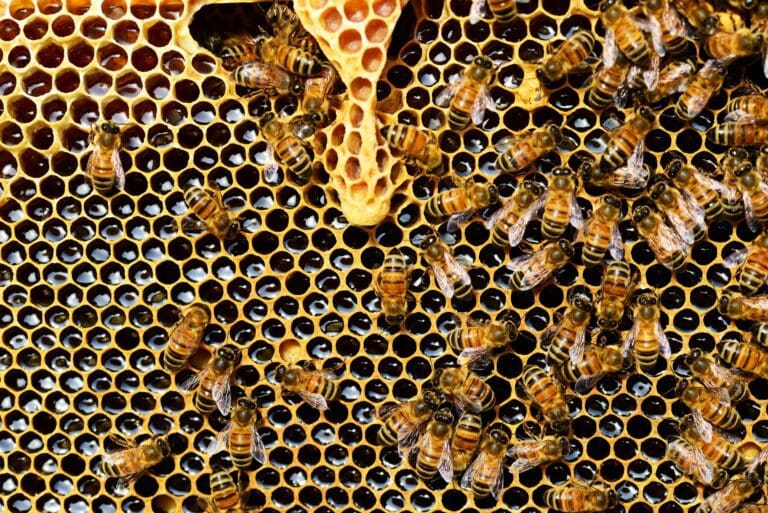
233	231
724	303
246	403
556	133
611	498
394	319
428	241
582	302
161	446
640	212
743	169
673	168
561	171
483	62
444	416
682	387
493	194
612	200
432	399
562	427
566	247
693	356
646	113
280	373
658	188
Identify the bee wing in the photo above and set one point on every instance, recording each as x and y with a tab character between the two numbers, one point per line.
517	231
709	182
270	165
122	442
258	451
576	352
702	465
765	58
469	474
749	213
740	116
119	171
576	217
664	238
616	246
658	331
315	400
547	334
610	50
442	281
524	464
586	382
221	441
759	458
498	481
222	394
407	439
629	342
120	458
445	465
633	175
458	219
519	262
685	232
444	96
657	36
388	410
470	354
484	101
194	381
702	426
476	11
505	143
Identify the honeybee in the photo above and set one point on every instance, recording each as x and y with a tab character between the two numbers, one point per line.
480	338
727	46
675	77
696	187
752	107
237	50
285	146
665	243
548	395
213	382
315	385
624	141
760	26
132	460
185	337
226	496
465	387
601	232
317	90
685	215
259	75
754	194
460	203
391	285
753	262
530	454
647	337
596	363
509	222
607	85
561	207
517	154
570	54
470	94
624	33
739	307
731	197
729	497
504	11
696	13
581	498
417	145
241	436
618	283
742	133
669	26
282	19
568	337
760	334
214	216
435	448
698	92
692	462
720	450
633	175
402	422
532	269
484	476
719	380
274	50
707	410
747	358
466	437
450	275
104	168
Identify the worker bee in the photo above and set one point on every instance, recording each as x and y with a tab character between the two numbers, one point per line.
241	436
739	307
317	100
731	197
665	243
696	187
760	334
259	75
624	33
597	362
274	50
720	450
581	498
530	454
601	232
532	269
548	395
730	497
237	50
402	422
391	285
285	145
509	222
185	337
673	78
450	275
727	46
212	213
647	337
213	382
484	477
698	92
517	154
417	145
315	385
560	206
570	54
282	19
760	26
742	133
747	358
480	338
607	85
132	459
685	215
618	283
460	203
753	262
465	387
719	380
633	175
104	167
692	462
624	141
504	11
435	448
226	496
470	94
754	194
568	337
707	410
668	25
752	107
696	13
466	437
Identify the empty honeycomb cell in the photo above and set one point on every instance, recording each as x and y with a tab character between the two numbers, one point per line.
159	34
36	29
350	41
144	59
66	81
50	56
93	27
97	83
19	57
80	54
126	32
110	56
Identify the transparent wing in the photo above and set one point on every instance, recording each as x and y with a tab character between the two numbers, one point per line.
445	465
221	442
270	165
407	439
444	96
576	352
388	410
505	143
456	220
657	37
586	382
703	466
472	353
517	231
548	334
442	281
749	213
222	394
314	400
119	171
685	232
194	381
122	442
651	75
658	331
760	457
629	342
709	182
610	50
703	427
498	481
454	266
476	11
258	451
469	474
576	217
765	58
523	464
740	116
674	25
519	262
90	165
483	102
616	246
121	457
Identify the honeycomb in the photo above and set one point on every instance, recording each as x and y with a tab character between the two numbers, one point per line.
92	284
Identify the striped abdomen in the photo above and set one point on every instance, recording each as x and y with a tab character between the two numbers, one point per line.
102	170
224	491
298	61
461	106
295	157
240	445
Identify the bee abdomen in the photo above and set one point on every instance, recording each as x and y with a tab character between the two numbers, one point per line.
298	61
504	11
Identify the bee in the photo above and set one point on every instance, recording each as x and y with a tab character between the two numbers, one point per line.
480	338
435	448
467	389
739	307
685	215
618	283
561	207
760	334
580	498
596	363
402	422
237	50
742	133
647	336
460	203
275	50
567	338
484	477
760	25
624	33
417	145
214	216
317	100
675	77
450	275
624	141
104	167
282	19
133	459
698	92
720	450
530	454
696	187
753	262
226	496
729	497
696	13
570	54
716	378
504	11
470	94
285	146
241	436
532	269
601	232
213	382
754	194
185	337
466	437
665	243
669	26
607	85
633	175
548	395
315	386
753	508
692	462
517	154
727	46
752	107
731	197
259	75
747	358
391	285
707	410
509	222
